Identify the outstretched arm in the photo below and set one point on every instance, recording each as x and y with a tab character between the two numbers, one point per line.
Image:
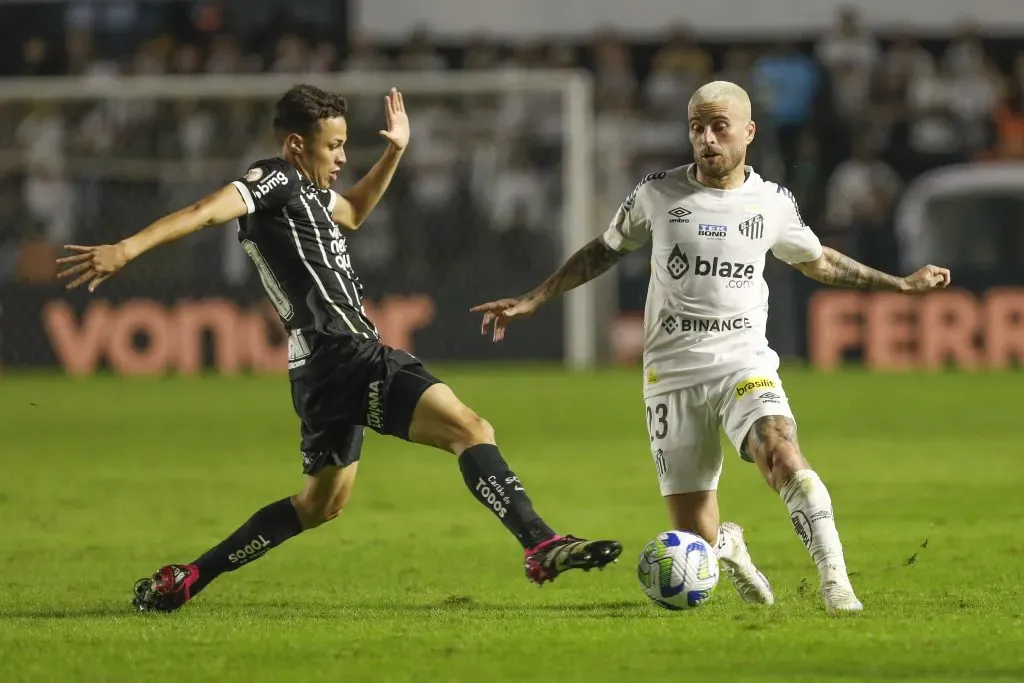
629	229
96	264
589	262
593	259
838	270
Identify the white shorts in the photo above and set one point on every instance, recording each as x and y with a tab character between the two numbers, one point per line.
684	426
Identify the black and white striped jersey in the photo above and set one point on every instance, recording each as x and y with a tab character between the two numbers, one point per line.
302	258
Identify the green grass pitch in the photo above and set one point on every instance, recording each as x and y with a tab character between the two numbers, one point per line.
104	480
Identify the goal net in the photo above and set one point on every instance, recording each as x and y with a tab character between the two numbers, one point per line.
496	189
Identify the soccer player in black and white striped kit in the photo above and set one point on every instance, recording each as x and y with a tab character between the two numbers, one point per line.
343	377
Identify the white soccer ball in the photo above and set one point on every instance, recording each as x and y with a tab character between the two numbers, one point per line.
678	570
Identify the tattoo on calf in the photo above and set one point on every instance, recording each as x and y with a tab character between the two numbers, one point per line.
770	428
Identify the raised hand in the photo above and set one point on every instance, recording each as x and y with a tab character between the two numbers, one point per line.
398	131
92	264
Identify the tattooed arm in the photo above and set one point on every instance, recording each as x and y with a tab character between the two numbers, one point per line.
629	229
590	261
839	270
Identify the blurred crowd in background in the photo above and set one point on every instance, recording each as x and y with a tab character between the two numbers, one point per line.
845	119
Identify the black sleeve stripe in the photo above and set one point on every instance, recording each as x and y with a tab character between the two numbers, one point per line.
785	191
631	199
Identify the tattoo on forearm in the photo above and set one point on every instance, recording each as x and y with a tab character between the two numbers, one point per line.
840	270
583	266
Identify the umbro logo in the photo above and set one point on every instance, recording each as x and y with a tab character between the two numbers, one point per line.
770	397
679	215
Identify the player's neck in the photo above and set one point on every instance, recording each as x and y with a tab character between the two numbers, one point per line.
295	161
729	182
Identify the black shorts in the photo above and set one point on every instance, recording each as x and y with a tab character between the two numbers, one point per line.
360	384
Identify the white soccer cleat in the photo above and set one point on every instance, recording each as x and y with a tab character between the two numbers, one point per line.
837	592
735	561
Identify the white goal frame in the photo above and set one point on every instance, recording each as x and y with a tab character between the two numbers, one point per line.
575	87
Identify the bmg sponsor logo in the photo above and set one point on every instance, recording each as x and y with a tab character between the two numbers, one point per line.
274	180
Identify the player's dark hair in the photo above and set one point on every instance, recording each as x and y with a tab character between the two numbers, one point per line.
302	108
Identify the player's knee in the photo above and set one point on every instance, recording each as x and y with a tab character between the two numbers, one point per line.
772	444
484	430
326	514
469	429
783	459
779	460
316	507
443	421
313	513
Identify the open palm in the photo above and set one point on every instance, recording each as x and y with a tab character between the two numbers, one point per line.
398	121
92	265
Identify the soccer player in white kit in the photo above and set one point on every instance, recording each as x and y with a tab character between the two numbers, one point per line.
707	362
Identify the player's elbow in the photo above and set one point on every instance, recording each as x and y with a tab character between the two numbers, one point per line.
201	213
350	224
348	214
198	215
813	269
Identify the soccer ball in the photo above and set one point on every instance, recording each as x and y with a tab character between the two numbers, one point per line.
678	570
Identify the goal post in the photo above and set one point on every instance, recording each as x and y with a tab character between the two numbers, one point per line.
563	96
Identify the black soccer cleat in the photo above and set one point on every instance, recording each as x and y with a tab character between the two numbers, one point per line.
167	590
562	553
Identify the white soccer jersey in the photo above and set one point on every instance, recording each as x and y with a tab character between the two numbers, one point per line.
707	301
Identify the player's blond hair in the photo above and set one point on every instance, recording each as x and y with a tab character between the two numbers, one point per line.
722	91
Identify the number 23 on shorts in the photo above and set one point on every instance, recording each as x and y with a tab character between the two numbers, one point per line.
657	420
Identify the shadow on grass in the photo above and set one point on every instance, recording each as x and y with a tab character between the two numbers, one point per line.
455	604
56	613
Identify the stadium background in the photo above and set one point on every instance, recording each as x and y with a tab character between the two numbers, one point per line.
902	135
870	116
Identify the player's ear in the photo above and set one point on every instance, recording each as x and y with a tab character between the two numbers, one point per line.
294	142
751	130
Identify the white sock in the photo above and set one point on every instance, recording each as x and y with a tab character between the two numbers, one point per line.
810	510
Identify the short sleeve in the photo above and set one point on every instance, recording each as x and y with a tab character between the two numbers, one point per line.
630	228
267	185
795	241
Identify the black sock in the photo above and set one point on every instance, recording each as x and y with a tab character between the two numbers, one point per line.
492	483
269	527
